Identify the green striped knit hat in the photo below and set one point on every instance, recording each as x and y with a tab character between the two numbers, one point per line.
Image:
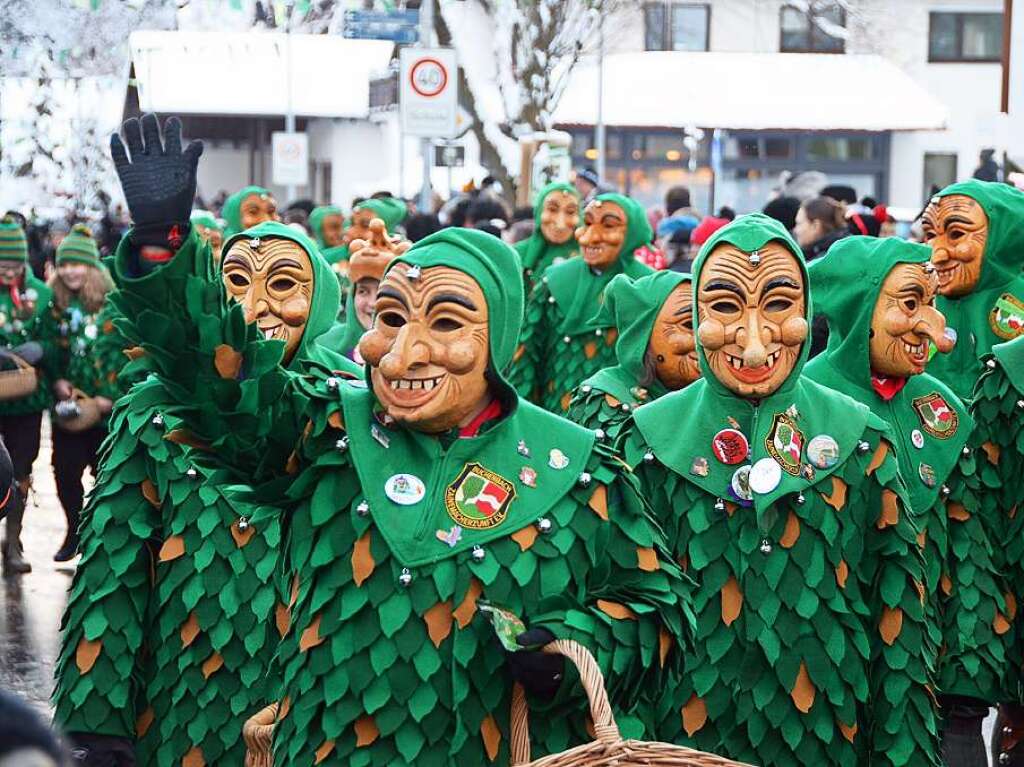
13	245
78	246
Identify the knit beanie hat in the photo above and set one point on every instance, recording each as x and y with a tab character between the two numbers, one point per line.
13	245
79	247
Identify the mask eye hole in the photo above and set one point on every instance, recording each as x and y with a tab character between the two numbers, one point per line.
725	307
392	319
238	280
910	305
282	284
778	305
446	325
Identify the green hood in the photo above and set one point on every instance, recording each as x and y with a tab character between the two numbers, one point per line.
316	221
1000	287
389	209
536	252
706	406
326	294
205	218
496	269
232	210
632	306
1011	357
577	289
846	285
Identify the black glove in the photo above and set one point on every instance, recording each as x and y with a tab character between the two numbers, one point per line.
91	750
539	673
159	182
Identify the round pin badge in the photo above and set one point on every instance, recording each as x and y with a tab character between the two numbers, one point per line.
739	485
730	446
917	438
557	459
405	489
765	475
927	474
823	451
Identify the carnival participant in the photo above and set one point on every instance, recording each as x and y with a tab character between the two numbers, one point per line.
974	231
247	207
327	224
390	210
655	349
784	503
559	347
556	216
879	296
171	620
24	300
209	229
518	515
85	371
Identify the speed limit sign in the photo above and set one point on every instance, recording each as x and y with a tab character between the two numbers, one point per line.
429	92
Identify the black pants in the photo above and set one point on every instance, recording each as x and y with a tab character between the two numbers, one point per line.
73	452
21	435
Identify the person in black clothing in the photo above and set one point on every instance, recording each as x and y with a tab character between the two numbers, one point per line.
820	222
783	210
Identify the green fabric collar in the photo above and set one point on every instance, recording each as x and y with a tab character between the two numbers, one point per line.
617	381
1011	357
706	406
538	252
413	531
231	212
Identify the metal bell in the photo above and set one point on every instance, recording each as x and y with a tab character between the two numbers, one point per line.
544	525
1004	758
863	447
551	299
599	332
405	579
584	479
944	491
341	445
243	524
648	456
991	365
625	407
766	546
719	505
966	451
478	554
363	508
599	433
566	339
191	473
1020	404
800	499
332	383
754	258
158	420
585	388
413	273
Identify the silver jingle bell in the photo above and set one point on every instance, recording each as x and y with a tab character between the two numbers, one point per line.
766	546
863	447
363	508
566	339
966	451
478	554
584	479
333	383
191	473
800	500
243	524
648	456
1004	758
991	365
944	491
158	420
544	525
719	504
1020	404
405	579
341	445
599	434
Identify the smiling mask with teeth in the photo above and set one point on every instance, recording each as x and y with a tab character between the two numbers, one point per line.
602	234
956	228
752	323
672	343
274	284
428	348
904	321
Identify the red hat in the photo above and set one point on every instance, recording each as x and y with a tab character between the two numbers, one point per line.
706	228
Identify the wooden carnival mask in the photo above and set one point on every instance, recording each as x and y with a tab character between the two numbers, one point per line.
368	260
751	308
602	234
559	217
359	226
956	228
905	320
672	342
257	208
331	230
428	348
213	236
273	280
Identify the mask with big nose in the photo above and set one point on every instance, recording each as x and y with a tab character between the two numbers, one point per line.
672	343
428	348
272	279
956	229
905	320
751	317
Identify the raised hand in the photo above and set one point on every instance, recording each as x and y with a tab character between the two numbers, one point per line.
380	242
159	179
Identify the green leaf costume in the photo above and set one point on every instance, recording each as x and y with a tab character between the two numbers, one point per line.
605	400
399	536
171	622
536	253
812	645
998	410
929	429
994	311
231	211
559	347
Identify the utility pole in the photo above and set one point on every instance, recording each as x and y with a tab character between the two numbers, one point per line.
426	40
289	117
599	140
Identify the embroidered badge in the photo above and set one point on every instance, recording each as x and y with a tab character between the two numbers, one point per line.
478	498
785	443
1007	317
937	417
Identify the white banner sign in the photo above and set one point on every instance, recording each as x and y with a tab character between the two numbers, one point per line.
291	158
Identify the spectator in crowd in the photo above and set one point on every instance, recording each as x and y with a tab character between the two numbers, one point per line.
988	169
840	193
820	222
783	210
488	211
522	224
588	183
420	225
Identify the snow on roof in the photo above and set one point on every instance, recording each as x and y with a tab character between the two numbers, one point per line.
246	73
803	91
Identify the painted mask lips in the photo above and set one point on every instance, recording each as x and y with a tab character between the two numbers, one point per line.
413	391
271	332
594	253
917	353
753	375
947	273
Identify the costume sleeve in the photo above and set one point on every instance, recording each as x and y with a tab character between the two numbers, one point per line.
595	409
903	654
527	360
108	353
98	669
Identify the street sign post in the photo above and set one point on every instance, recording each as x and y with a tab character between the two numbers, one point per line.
429	92
290	158
398	26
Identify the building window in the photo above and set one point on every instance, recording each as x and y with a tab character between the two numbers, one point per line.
676	26
965	37
820	27
939	172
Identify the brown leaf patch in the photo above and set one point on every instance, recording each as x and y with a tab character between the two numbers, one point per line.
86	654
366	731
566	399
439	622
143	722
599	502
294	592
695	715
838	498
890	510
878	458
992	452
803	691
173	548
311	635
227	361
492	736
324	751
946	584
610	336
194	758
1000	625
891	624
1011	605
282	618
134	352
612	401
919	587
189	630
842	573
212	664
467	609
922	540
792	531
955	510
732	601
590	350
187	438
520	350
362	560
525	537
664	645
615	610
647	559
291	466
849	730
242	537
334	420
150	493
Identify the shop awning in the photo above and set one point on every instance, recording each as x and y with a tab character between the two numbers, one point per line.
755	91
247	73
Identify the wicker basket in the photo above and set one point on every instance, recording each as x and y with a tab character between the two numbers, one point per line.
17	383
88	413
609	748
258	734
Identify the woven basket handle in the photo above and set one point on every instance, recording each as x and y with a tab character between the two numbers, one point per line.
19	363
591	678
